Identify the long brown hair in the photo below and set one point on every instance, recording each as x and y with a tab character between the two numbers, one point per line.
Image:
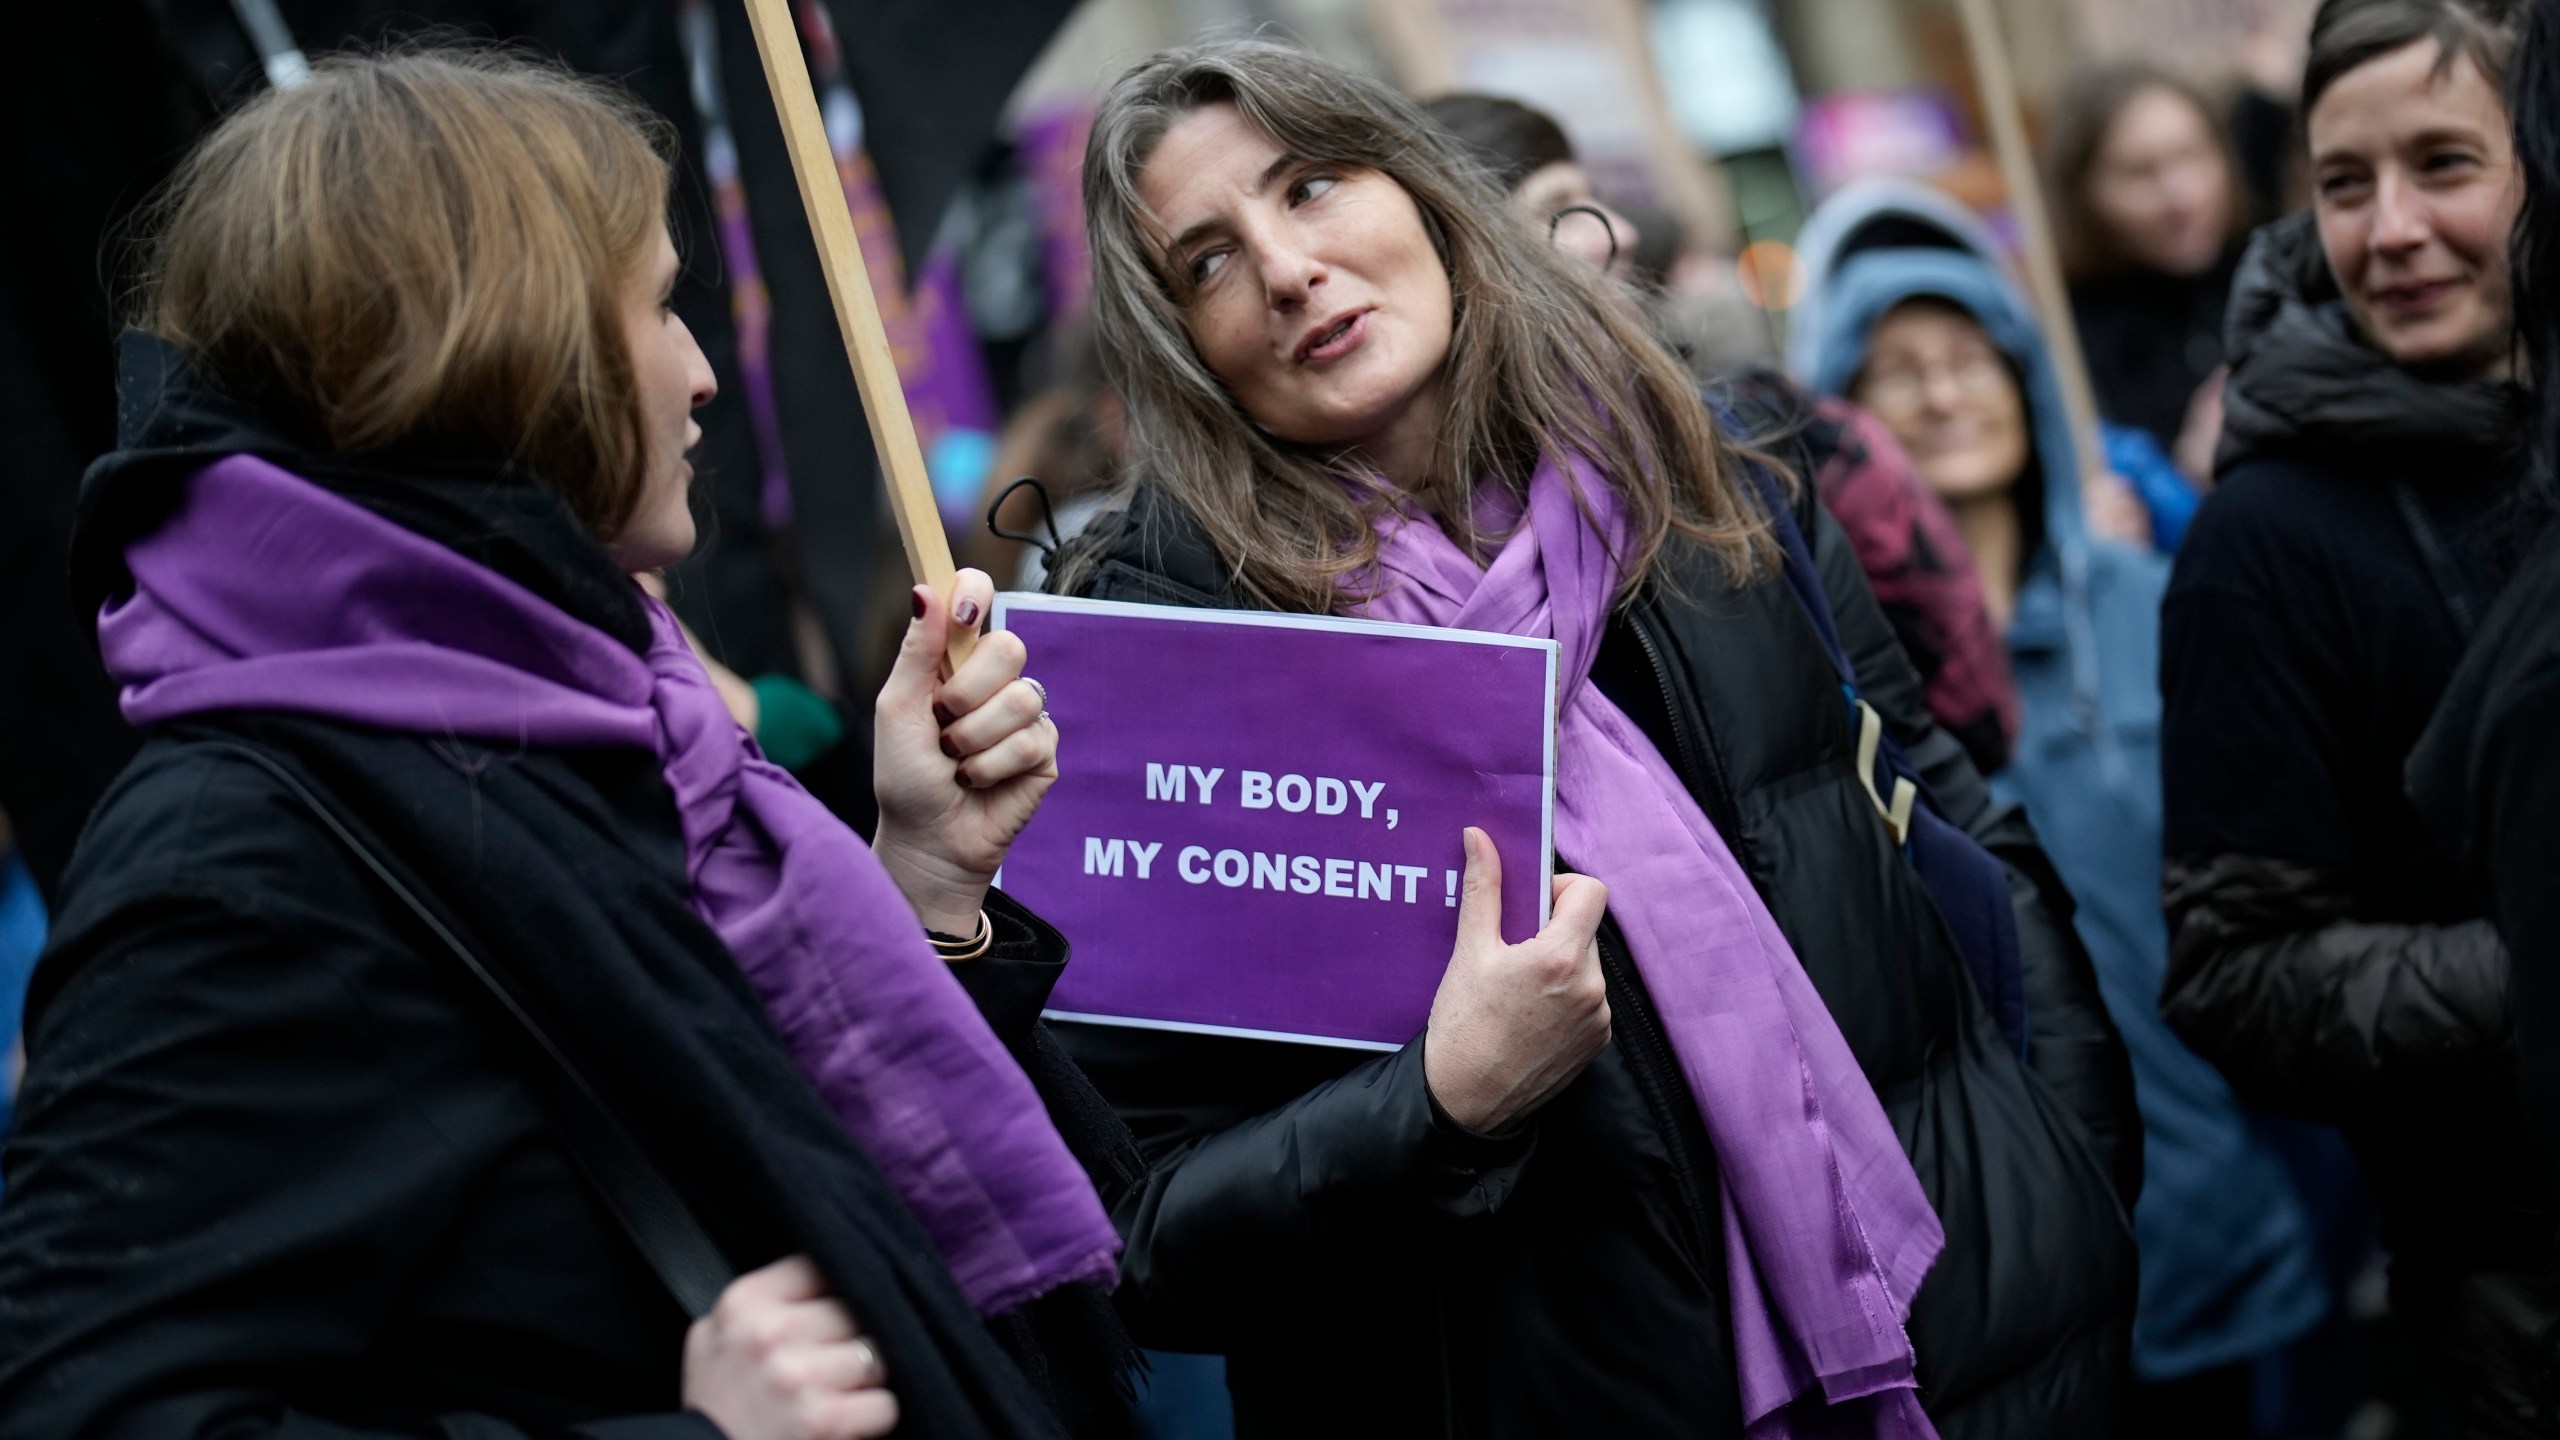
423	247
2091	102
1547	359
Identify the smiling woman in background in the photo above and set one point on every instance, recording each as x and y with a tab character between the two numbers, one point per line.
2332	960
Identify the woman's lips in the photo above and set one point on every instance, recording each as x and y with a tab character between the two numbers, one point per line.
1341	343
2411	299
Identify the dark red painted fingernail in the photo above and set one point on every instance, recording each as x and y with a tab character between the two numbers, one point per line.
966	612
917	599
942	714
950	749
963	778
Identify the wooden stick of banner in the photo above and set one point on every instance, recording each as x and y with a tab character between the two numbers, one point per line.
866	343
2035	235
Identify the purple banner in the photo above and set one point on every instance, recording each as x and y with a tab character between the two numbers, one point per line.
1256	828
1050	142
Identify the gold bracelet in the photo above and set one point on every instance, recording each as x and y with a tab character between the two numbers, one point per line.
955	951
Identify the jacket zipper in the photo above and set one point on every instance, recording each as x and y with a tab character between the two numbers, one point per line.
1693	756
1656	1068
1657	1073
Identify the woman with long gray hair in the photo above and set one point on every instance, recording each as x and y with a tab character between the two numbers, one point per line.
1736	1142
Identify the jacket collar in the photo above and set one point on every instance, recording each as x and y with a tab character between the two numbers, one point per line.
2304	383
171	423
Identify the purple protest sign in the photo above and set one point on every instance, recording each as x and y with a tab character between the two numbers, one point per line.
1256	826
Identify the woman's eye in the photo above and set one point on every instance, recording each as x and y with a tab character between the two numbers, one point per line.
1311	186
1205	265
2448	160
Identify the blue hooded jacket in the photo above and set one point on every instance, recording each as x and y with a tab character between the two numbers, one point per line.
2228	1269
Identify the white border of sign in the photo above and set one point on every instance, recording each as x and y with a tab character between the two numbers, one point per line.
1011	600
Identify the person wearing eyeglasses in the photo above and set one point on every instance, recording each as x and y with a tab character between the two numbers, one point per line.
1533	164
1911	317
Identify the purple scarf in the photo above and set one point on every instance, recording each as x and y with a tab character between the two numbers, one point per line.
1826	1231
267	592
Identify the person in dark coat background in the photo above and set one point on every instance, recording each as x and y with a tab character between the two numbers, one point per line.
1405	1244
86	136
444	866
2486	775
2330	958
2150	214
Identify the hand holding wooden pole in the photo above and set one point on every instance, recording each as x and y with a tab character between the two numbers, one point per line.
2035	235
875	371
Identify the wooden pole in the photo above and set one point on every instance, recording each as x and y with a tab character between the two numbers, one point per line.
875	371
2035	234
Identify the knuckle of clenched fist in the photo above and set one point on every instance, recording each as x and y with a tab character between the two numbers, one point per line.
768	1334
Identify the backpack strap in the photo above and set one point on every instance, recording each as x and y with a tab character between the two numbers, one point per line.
646	1205
1896	812
1966	882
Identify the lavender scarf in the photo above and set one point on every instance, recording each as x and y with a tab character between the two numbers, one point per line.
380	626
1826	1231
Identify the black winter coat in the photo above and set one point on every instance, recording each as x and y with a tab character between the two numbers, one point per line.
274	1171
2325	953
1370	1270
2486	775
2151	341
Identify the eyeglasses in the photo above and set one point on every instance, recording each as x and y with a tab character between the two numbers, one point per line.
1901	389
1575	226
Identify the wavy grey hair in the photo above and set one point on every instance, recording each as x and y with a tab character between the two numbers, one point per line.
1548	358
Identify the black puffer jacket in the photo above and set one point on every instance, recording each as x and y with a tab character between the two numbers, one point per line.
2487	777
2324	952
1370	1270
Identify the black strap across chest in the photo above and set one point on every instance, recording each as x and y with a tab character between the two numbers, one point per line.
2439	560
642	1200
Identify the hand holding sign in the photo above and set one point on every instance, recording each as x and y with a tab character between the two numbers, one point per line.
959	765
1512	1025
1258	833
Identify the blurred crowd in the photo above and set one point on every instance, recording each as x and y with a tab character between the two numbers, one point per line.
2136	826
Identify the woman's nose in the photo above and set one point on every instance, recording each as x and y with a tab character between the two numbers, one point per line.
2399	215
1290	271
697	369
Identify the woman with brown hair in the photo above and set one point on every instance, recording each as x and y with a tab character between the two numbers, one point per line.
450	1000
1736	1143
2150	212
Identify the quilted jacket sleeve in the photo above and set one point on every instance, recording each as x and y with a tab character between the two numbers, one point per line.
2311	1012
